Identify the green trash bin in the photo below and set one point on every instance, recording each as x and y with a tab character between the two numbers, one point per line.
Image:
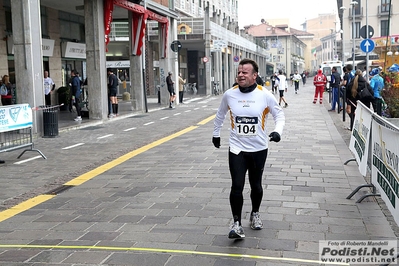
50	121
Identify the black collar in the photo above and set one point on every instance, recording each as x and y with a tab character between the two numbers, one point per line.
248	89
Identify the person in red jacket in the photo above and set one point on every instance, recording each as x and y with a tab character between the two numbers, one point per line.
319	81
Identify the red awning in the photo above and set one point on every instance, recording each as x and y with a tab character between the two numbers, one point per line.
140	17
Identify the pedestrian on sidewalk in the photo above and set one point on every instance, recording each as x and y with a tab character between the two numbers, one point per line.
49	87
249	105
75	92
357	84
282	84
113	83
171	88
334	85
182	82
377	84
319	81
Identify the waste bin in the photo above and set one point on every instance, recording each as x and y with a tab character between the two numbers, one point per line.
50	121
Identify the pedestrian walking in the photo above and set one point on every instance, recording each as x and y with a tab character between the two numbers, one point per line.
282	85
319	81
304	78
171	88
296	78
273	78
248	143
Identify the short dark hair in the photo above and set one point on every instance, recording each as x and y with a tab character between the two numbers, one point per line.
334	68
246	61
280	72
349	67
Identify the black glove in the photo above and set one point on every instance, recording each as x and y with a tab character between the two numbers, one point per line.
216	142
274	136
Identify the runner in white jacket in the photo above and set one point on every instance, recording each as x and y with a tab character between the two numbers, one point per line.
249	106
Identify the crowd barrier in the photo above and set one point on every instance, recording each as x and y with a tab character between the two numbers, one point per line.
16	129
375	145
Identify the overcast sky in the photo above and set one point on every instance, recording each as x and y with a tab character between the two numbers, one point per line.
252	11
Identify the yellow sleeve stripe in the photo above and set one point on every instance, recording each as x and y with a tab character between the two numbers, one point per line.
264	114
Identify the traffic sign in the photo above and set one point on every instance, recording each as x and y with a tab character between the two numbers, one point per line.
205	59
367	45
236	58
175	46
363	33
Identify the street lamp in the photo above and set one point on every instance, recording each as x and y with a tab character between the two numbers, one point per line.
342	34
353	3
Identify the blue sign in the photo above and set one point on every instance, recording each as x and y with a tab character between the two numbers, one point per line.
236	58
367	45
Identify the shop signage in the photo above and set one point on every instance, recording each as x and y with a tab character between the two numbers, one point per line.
118	64
47	46
73	50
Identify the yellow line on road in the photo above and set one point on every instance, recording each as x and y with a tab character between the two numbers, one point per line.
176	251
105	167
206	120
23	206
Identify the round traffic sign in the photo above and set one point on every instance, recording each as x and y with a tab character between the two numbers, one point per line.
205	59
363	32
175	46
236	58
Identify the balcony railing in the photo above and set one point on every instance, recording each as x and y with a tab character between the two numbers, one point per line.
358	13
383	10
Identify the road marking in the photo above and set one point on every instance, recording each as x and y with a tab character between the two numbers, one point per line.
177	114
106	136
4	215
73	146
128	129
173	251
196	108
163	118
187	111
105	167
206	120
149	123
27	160
23	206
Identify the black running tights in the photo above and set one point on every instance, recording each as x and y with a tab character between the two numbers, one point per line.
254	163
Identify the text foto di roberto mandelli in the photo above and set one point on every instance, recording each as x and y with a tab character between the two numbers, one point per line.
358	251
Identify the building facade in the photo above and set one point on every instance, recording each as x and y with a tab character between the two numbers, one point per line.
382	16
134	38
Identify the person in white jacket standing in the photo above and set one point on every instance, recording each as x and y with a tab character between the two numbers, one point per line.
249	106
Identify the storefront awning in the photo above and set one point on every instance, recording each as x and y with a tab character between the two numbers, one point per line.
140	17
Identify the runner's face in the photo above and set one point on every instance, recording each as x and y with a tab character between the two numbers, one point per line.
246	75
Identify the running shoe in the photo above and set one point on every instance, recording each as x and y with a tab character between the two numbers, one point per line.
236	231
256	222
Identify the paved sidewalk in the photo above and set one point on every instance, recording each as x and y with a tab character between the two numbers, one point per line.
150	189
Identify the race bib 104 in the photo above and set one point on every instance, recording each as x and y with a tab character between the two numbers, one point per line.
246	126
